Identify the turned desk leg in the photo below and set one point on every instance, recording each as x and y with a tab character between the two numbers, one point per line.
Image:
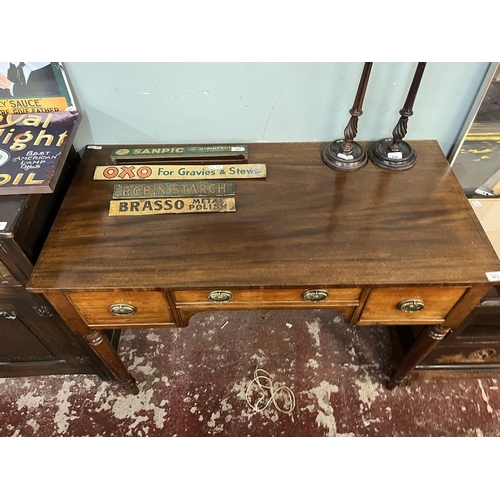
105	350
98	342
424	344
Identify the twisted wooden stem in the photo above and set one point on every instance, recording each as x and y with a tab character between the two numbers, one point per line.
402	126
356	111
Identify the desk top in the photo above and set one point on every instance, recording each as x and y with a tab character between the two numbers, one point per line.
305	225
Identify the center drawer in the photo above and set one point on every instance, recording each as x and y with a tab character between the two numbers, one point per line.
119	308
297	296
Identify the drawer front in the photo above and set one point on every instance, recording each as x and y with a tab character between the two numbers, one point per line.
406	305
319	297
6	279
118	308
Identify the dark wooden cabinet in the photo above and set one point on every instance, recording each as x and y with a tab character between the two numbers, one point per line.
34	340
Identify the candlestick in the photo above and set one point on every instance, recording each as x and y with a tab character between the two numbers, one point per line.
345	154
394	153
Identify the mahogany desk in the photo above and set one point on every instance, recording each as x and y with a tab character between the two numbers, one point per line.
373	243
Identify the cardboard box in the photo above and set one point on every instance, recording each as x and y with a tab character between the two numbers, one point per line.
488	213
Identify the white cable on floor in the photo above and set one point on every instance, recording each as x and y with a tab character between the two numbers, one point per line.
263	380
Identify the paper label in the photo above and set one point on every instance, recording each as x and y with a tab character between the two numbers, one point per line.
94	147
345	157
494	276
395	156
3	225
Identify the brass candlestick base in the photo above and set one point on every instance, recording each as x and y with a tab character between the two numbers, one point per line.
381	153
335	156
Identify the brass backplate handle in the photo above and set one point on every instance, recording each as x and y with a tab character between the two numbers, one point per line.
122	309
315	295
220	296
411	305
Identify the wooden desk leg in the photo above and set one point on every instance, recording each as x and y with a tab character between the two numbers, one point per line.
424	344
95	338
105	350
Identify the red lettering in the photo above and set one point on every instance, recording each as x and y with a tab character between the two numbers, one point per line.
110	172
144	172
127	171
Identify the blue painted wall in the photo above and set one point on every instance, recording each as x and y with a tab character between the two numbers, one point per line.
247	102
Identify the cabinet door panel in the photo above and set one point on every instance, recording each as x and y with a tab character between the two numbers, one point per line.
19	341
34	340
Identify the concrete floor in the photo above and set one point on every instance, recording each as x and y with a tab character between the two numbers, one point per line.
194	382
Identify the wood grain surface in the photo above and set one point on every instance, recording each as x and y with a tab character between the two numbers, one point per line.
305	225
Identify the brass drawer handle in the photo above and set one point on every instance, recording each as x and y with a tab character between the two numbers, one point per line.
122	309
411	305
315	295
220	296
